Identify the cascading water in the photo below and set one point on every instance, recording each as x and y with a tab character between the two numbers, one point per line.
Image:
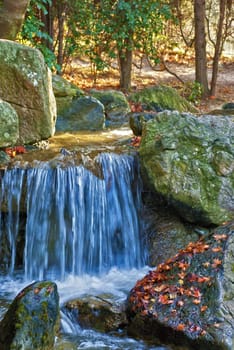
76	222
81	229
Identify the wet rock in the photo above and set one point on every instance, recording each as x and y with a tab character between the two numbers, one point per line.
26	82
31	321
158	98
166	233
189	161
115	104
85	113
188	300
101	312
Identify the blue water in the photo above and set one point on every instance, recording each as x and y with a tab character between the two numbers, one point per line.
82	230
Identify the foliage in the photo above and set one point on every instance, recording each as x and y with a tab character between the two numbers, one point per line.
193	91
32	31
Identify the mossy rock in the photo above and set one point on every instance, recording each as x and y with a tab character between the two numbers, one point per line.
158	98
64	92
187	301
32	320
190	162
115	104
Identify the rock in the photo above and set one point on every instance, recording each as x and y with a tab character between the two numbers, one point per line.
64	92
228	105
25	83
4	158
85	113
189	161
228	112
166	233
9	124
137	120
102	313
188	300
115	104
31	321
158	98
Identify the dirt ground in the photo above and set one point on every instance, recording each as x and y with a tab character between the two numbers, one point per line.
80	73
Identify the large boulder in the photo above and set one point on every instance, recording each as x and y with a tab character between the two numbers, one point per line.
26	84
160	97
9	124
190	162
32	320
85	113
188	300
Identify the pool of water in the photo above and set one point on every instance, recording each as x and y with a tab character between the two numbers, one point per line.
73	337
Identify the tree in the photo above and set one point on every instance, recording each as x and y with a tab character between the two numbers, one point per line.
213	26
200	45
224	29
11	17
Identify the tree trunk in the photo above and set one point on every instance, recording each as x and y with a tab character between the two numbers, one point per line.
200	45
11	17
125	67
218	46
47	19
60	56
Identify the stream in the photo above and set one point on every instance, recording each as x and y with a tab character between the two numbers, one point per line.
78	205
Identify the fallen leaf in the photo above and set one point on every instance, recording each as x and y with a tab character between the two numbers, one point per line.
216	249
180	303
218	237
204	308
196	301
216	263
180	327
164	299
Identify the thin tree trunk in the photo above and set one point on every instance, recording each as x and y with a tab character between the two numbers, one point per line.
200	45
60	35
218	46
47	19
12	14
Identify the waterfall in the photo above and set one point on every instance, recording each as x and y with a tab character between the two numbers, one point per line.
76	222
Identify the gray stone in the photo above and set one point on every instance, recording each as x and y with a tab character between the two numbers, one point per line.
101	312
26	84
115	104
32	320
64	92
190	162
85	113
9	124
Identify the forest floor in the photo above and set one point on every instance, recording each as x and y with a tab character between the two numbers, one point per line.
80	73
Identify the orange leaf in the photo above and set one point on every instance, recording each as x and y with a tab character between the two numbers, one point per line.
183	265
196	301
180	327
163	299
180	303
216	249
216	262
204	308
160	288
218	237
